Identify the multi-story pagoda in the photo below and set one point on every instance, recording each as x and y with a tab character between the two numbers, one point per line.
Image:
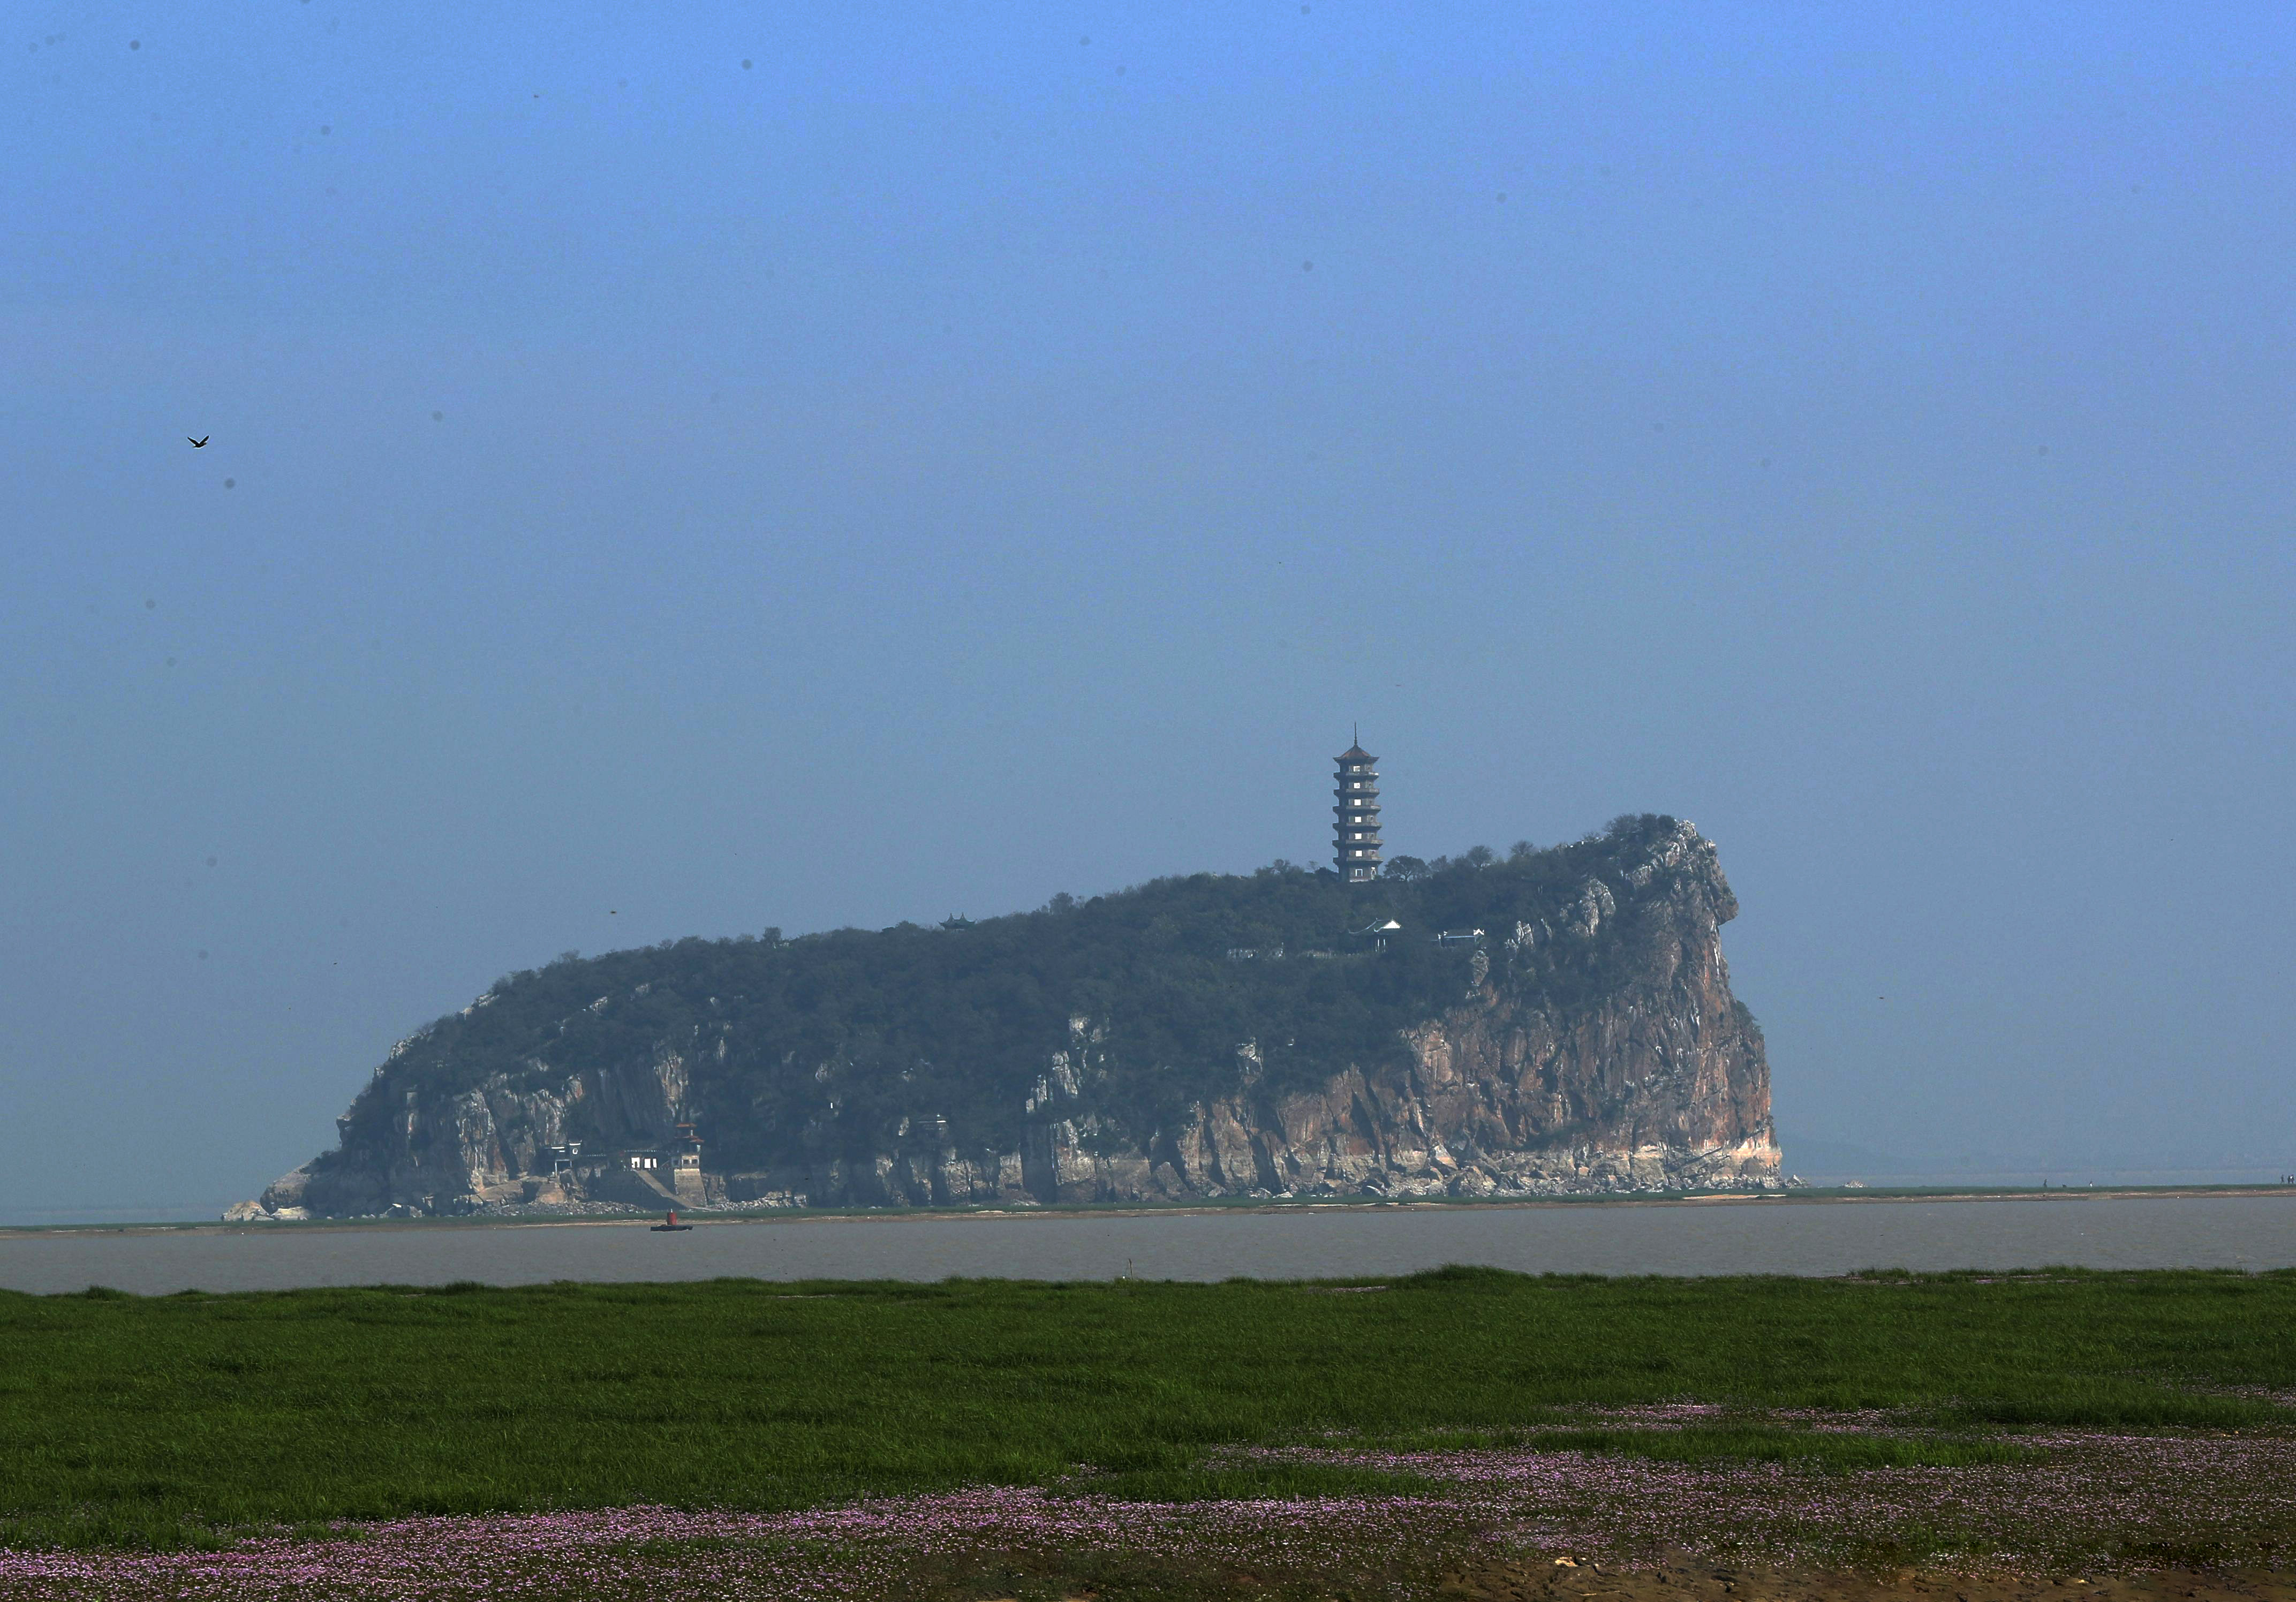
1356	830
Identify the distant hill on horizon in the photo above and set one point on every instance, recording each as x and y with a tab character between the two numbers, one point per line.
1819	1160
1550	1022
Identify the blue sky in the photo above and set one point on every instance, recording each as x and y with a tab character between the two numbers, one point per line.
970	453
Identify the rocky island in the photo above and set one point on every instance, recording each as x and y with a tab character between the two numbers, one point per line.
1554	1022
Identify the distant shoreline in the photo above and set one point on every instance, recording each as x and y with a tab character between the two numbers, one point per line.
1827	1196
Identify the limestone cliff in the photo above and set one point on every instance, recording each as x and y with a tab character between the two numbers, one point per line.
1578	1035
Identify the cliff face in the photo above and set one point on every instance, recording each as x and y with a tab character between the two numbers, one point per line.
1502	1080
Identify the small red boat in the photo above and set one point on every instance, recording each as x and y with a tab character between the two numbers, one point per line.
672	1226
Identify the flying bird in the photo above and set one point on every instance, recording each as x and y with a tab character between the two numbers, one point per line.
202	439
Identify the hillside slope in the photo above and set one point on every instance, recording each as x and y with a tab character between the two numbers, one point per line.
1194	1037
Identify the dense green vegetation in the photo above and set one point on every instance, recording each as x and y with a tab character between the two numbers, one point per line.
829	1042
127	1419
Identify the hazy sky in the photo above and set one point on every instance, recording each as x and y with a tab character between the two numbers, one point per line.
682	469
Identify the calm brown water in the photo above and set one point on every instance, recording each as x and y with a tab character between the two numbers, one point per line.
2254	1231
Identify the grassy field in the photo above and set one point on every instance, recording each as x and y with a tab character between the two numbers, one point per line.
129	1421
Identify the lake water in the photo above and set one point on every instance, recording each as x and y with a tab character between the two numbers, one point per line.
2256	1230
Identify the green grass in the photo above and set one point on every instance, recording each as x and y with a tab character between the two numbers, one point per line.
132	1420
1735	1442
